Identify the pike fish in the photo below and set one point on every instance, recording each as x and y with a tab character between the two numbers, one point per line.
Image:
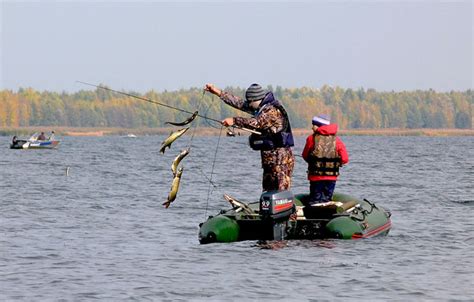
187	121
177	160
174	188
239	205
173	136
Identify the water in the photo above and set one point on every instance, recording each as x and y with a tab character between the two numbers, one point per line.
101	233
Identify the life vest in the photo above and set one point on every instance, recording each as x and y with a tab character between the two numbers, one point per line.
323	158
269	140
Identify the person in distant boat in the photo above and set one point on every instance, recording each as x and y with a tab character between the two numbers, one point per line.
276	139
14	140
51	137
325	153
41	137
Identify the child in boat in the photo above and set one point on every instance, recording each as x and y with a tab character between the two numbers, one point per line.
325	153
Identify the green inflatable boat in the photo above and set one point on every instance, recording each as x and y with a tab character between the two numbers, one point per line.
280	215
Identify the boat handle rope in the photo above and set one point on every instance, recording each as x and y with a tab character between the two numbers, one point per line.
364	212
353	215
373	206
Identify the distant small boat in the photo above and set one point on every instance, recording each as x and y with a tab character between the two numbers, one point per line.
25	144
131	135
43	145
34	143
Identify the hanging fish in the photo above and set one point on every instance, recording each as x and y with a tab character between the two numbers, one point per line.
173	136
177	160
174	188
187	121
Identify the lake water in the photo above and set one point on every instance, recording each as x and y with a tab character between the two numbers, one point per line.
101	233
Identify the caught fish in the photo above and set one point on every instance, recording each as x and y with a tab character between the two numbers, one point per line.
187	121
177	160
173	136
239	205
174	188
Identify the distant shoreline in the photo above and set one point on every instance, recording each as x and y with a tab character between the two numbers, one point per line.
77	131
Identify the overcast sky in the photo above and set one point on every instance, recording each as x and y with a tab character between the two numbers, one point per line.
139	46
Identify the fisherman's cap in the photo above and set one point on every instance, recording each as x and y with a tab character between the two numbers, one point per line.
321	120
255	93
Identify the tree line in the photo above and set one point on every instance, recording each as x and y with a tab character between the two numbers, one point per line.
350	108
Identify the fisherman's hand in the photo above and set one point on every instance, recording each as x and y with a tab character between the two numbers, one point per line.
228	121
213	89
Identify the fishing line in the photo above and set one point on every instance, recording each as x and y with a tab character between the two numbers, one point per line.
195	125
194	131
208	179
207	110
212	170
212	126
229	130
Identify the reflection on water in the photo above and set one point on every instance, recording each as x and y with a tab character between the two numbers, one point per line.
100	231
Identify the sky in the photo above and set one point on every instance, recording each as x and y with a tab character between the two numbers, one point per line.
164	45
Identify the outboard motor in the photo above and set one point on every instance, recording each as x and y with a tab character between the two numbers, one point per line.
276	208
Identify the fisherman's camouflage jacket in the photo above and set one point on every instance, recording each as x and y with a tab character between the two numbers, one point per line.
278	163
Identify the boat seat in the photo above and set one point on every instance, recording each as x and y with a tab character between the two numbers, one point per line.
327	209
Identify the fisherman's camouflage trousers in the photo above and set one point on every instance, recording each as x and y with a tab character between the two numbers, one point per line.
277	167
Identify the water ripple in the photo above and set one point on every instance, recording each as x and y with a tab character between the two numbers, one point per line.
101	233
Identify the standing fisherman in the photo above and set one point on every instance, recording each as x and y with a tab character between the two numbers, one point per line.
276	139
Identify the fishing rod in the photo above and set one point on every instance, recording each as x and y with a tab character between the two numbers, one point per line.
167	106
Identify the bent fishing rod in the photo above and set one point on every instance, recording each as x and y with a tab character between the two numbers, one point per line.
167	106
